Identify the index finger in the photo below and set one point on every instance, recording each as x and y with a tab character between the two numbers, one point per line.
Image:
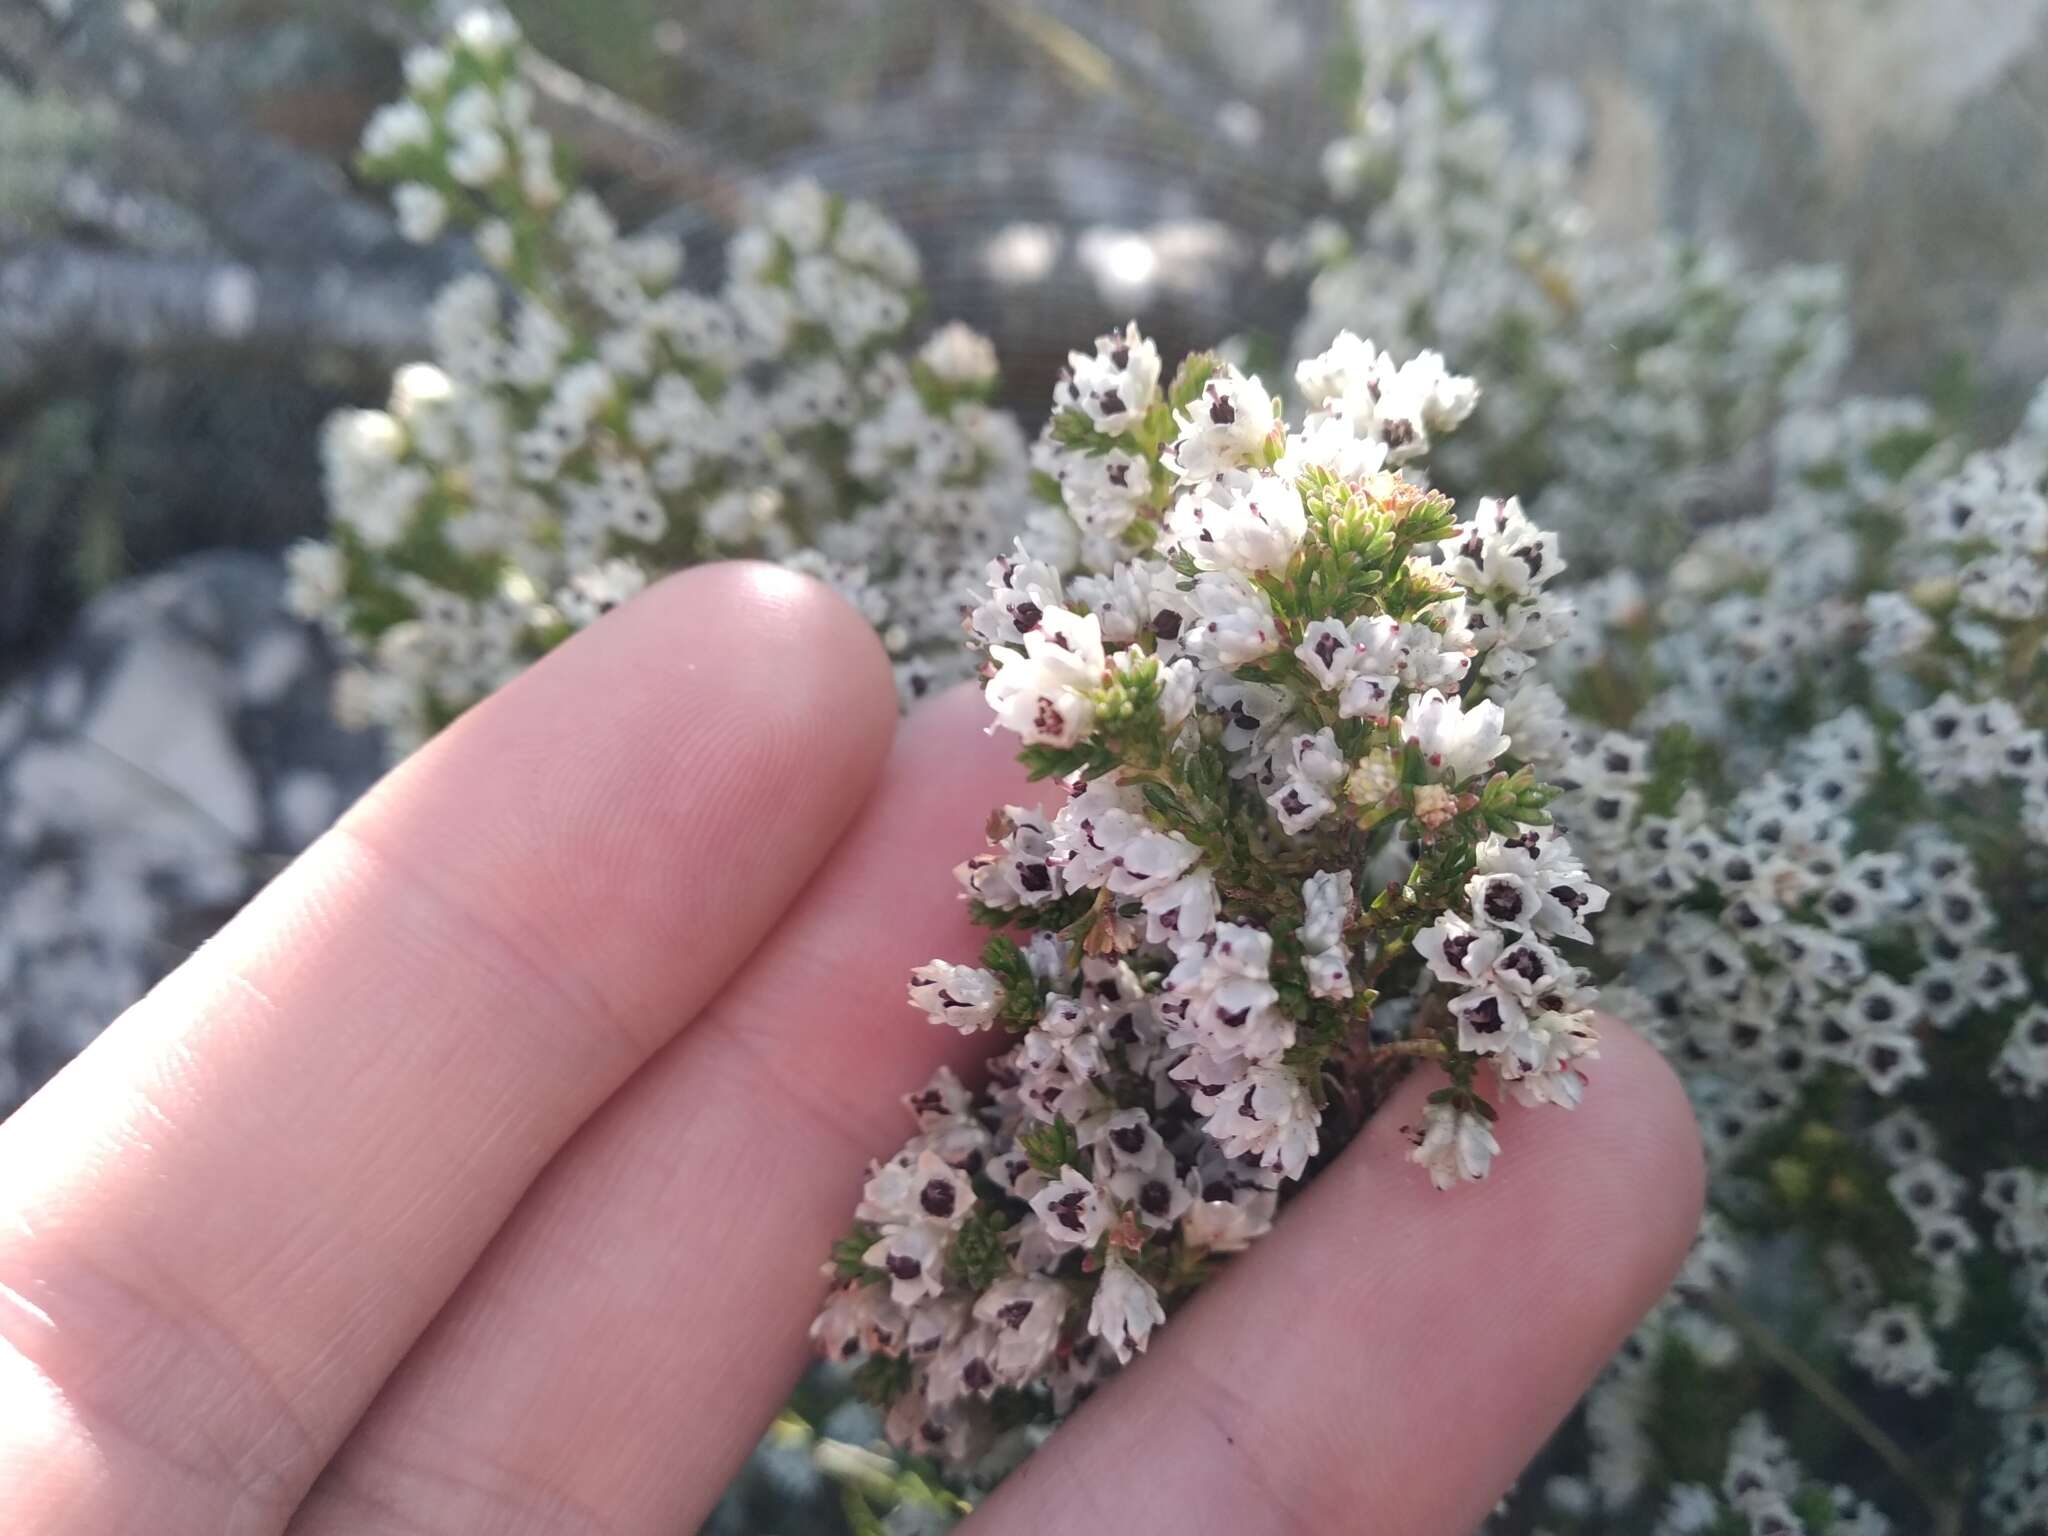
225	1223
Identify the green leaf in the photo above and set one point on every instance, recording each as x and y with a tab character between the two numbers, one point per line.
1072	428
1052	1147
846	1253
1023	992
882	1379
977	1257
1193	375
1165	802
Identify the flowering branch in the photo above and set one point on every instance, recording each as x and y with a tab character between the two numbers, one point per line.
588	422
1260	694
606	130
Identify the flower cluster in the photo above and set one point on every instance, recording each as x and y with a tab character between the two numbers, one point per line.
1641	376
1763	1492
587	423
1285	795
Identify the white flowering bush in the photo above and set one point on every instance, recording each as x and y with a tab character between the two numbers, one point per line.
1628	384
1824	819
1294	853
1805	754
586	423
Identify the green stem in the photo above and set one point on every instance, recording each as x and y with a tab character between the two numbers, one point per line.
1947	1513
1435	1050
1386	957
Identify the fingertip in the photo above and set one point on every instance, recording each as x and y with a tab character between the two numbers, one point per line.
1642	1156
951	732
1626	1172
1601	1201
799	651
960	708
647	796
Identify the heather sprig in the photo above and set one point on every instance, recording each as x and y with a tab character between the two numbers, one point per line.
1293	854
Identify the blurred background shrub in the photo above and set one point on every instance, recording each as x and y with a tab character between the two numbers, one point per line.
188	281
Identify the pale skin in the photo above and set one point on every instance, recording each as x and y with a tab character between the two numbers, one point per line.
477	1177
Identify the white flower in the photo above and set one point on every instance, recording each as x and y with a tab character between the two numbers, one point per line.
913	1257
1225	428
1225	997
427	69
1327	903
1043	693
1354	384
1023	1314
1071	1209
958	354
477	159
1021	870
1369	667
1180	910
1228	1225
1021	591
1063	1042
1329	972
1501	552
1261	1112
591	594
963	997
1234	526
396	128
1455	1145
1179	685
1116	385
941	1102
1316	768
1234	621
422	212
1452	740
1438	658
1538	724
1331	446
1103	492
1149	861
912	1189
1090	832
1326	652
318	579
1456	951
1894	1346
487	32
1897	627
1125	1311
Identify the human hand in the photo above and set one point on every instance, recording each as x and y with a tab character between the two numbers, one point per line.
477	1176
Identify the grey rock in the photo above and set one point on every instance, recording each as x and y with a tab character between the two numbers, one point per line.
167	758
